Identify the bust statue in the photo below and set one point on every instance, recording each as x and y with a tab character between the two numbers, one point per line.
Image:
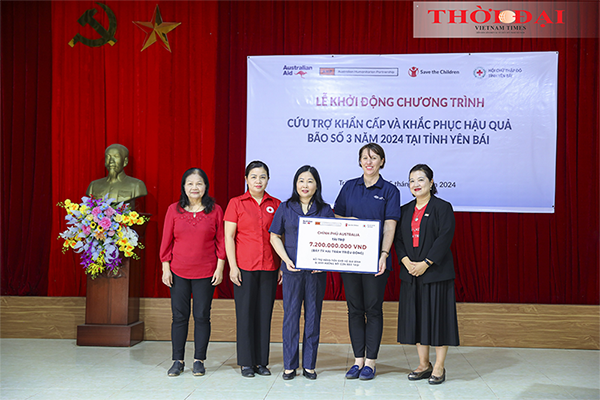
117	184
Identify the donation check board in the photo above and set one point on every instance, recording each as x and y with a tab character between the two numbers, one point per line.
342	245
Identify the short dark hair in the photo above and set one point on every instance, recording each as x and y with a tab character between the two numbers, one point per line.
317	197
207	201
122	149
256	164
375	148
428	173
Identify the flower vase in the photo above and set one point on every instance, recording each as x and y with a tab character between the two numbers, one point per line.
113	305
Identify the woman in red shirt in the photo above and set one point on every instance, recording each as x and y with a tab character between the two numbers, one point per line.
192	253
253	267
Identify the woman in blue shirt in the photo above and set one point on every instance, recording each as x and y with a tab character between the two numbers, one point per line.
368	197
300	285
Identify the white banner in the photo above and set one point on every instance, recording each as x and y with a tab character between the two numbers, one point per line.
334	244
485	123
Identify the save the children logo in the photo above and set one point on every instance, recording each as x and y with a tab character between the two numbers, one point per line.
413	71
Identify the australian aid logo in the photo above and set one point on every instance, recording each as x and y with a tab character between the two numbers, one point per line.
296	70
501	19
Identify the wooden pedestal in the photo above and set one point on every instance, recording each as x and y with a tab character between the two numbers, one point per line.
112	308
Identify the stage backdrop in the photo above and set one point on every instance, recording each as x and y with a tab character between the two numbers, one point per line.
62	106
489	113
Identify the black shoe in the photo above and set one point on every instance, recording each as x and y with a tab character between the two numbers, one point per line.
198	369
176	369
291	375
309	375
436	380
415	376
262	370
248	372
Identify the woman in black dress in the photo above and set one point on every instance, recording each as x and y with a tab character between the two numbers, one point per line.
427	308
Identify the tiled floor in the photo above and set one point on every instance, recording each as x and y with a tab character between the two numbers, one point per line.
59	369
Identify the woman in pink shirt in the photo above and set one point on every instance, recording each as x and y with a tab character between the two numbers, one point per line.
192	253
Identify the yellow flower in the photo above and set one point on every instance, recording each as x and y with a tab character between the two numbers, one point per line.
74	206
95	269
66	244
128	247
134	215
118	217
90	217
93	225
83	208
126	220
140	221
72	243
128	253
67	203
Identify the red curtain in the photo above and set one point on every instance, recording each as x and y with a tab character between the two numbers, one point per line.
160	105
532	258
26	155
175	110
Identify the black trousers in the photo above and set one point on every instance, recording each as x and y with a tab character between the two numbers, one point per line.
253	310
364	297
181	293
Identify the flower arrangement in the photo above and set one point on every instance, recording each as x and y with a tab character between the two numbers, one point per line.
101	232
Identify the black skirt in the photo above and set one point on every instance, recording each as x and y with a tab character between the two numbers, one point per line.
427	313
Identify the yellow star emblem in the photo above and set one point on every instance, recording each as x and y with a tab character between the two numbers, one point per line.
156	27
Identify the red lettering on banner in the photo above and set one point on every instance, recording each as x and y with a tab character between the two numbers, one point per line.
453	16
436	15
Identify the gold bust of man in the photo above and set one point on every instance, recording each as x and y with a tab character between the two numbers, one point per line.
117	184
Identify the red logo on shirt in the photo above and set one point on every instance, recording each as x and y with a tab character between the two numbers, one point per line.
270	210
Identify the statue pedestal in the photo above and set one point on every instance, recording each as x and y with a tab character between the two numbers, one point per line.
112	307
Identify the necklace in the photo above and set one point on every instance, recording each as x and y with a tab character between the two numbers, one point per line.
196	209
418	213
